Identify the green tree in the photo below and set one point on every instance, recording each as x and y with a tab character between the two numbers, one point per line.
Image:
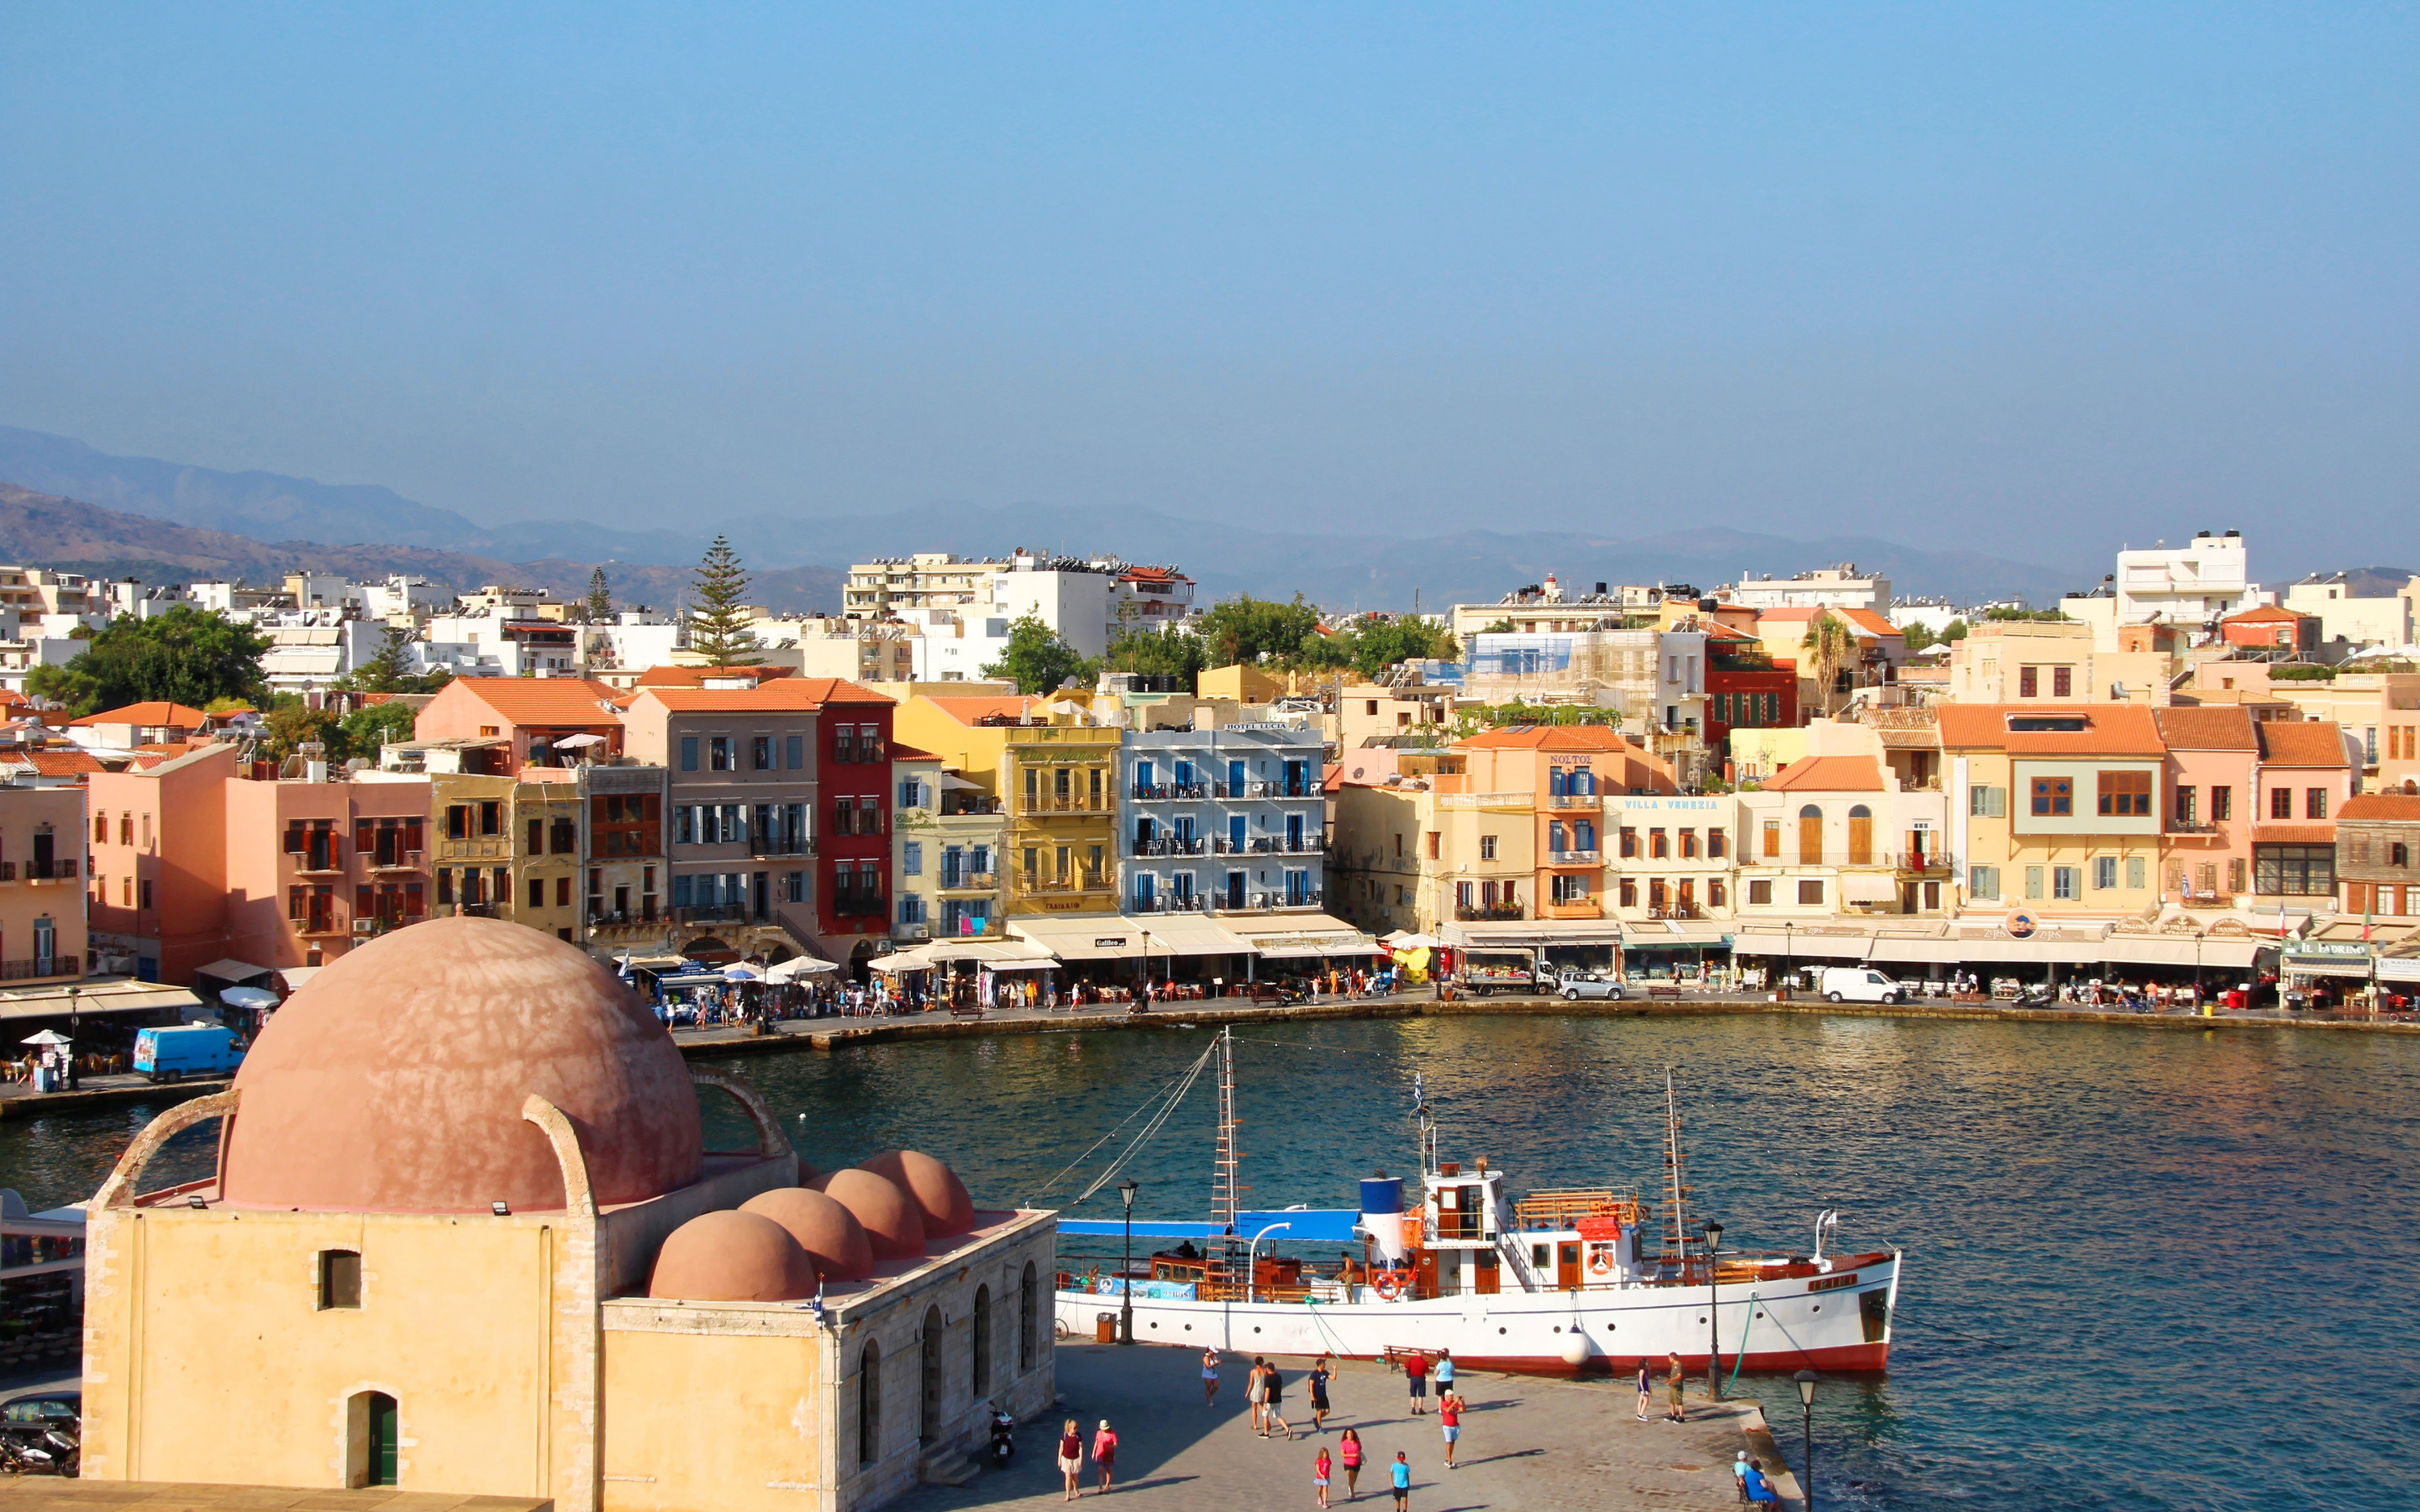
1379	643
600	599
1830	645
186	656
1246	629
1920	637
1037	662
389	670
1169	653
1496	627
290	723
367	730
720	628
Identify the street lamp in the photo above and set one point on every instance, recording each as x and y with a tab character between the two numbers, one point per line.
75	995
1125	1268
1805	1380
1253	1258
1713	1313
1788	953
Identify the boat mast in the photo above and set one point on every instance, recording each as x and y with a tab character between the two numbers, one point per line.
1676	1190
1226	1188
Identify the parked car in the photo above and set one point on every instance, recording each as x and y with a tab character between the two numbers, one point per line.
1580	984
1861	984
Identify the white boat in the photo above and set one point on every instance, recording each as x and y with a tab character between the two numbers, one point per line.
1586	1282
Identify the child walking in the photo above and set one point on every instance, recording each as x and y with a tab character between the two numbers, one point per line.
1319	1471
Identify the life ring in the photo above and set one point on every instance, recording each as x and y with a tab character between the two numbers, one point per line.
1389	1286
1600	1261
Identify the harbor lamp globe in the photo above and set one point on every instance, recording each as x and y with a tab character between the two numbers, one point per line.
1125	1271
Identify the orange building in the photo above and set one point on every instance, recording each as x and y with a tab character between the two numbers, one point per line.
531	714
41	883
195	860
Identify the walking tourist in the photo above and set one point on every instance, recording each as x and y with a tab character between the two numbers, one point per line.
1105	1453
1319	1378
1271	1417
1672	1379
1348	1451
1319	1470
1450	1406
1401	1473
1646	1386
1256	1391
1416	1378
1444	1371
1209	1378
1070	1456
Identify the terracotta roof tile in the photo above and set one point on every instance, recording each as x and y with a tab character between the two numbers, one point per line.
1829	774
2216	728
154	713
2265	614
695	676
2301	743
1547	737
540	701
54	763
909	754
2393	808
2293	834
2110	730
967	709
1869	622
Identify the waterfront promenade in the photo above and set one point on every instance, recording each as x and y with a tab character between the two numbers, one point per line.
1526	1443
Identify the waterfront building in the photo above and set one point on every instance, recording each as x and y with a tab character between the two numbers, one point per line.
202	859
2057	808
1835	834
2306	777
1671	876
531	719
623	820
1229	821
42	883
2378	859
1056	778
961	837
2206	843
466	1240
509	847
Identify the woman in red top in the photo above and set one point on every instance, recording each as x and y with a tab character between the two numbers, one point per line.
1071	1455
1450	1418
1349	1452
1105	1453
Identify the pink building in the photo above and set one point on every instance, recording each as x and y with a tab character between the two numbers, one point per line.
2205	844
2307	777
194	861
41	883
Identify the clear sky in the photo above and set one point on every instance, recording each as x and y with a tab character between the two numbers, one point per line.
2030	279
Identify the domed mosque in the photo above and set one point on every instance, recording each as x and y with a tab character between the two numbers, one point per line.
463	1235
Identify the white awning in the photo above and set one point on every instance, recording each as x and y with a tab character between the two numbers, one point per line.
232	971
1191	934
2232	953
994	953
1306	936
1512	935
297	978
1801	945
132	997
1082	936
1668	934
1868	888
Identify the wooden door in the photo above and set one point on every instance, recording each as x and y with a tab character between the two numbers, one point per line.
1861	836
1487	1276
1567	1264
1810	836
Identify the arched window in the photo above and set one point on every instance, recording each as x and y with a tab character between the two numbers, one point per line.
1029	1321
1810	836
982	1340
869	1406
928	1377
1861	836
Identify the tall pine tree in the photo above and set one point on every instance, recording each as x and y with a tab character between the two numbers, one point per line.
600	599
720	628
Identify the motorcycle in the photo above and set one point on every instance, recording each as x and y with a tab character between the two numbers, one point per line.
1004	1438
53	1453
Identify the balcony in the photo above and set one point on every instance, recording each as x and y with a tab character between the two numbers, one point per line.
1669	910
1497	913
610	925
1272	845
1486	800
1573	802
1588	857
1265	901
1073	804
776	845
1248	789
1058	886
2193	826
1171	903
1169	845
1155	791
36	967
1572	908
395	861
970	882
41	871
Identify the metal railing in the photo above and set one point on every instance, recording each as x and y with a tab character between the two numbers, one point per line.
1496	911
1058	886
1191	903
1567	802
783	845
969	881
1073	803
1572	908
1248	789
55	871
397	861
1486	800
1155	790
1586	857
41	965
1271	845
1169	845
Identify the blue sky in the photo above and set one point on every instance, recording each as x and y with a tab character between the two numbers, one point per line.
2030	279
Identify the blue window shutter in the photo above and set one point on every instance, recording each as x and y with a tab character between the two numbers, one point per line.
689	753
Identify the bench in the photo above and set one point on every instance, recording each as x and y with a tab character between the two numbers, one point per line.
1663	989
967	1011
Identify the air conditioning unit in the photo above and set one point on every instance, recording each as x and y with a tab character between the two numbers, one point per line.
916	932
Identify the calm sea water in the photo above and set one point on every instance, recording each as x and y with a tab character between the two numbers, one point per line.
2145	1270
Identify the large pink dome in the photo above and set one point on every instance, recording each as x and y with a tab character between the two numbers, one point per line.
393	1082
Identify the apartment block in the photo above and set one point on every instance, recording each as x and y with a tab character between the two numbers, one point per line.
951	839
1229	821
2057	808
1056	778
509	847
1835	834
42	883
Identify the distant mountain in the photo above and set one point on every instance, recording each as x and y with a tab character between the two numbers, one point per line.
1375	568
43	530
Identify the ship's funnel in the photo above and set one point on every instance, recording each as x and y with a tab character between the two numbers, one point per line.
1382	1215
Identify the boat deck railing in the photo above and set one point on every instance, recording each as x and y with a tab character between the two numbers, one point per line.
1564	1209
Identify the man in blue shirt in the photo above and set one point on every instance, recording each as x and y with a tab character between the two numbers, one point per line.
1402	1470
1760	1491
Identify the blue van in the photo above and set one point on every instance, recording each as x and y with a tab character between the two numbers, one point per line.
191	1050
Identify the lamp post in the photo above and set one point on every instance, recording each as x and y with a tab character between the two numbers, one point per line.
1805	1380
1253	1258
1125	1269
1713	1313
75	997
1788	953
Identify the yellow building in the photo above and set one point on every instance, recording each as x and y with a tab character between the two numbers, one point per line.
462	1236
1056	779
2056	810
506	848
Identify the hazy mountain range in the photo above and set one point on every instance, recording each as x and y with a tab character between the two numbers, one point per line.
263	523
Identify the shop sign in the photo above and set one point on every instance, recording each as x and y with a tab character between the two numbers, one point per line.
1111	942
2019	925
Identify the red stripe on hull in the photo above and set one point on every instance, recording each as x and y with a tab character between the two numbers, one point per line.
1847	1359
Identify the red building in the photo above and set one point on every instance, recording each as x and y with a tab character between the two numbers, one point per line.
853	907
1746	688
2272	627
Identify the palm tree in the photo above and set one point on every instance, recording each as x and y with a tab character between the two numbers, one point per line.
1830	645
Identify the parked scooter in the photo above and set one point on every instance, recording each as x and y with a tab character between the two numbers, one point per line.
1004	1438
54	1452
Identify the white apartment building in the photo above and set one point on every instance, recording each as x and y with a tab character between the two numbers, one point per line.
1840	587
2195	584
2361	621
1656	679
960	609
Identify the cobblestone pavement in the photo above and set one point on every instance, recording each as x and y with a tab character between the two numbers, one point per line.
1526	1443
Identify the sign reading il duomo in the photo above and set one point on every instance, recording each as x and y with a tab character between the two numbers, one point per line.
463	1236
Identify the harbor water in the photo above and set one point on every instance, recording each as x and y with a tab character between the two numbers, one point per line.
2145	1270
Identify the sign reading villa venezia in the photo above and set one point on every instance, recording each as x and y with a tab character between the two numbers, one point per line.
2136	766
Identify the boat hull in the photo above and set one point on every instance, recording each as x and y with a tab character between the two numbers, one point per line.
1839	1323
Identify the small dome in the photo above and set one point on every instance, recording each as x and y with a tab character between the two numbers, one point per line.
939	1196
732	1257
393	1082
888	1214
829	1233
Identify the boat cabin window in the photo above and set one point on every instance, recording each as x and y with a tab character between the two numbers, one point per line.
1540	1255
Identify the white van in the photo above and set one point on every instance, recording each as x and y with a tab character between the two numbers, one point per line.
1861	984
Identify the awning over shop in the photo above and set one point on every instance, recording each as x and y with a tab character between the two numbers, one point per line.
233	972
1513	934
2232	953
1868	888
1673	934
102	997
2399	969
1800	945
1081	936
2082	948
1191	934
1306	938
297	978
998	954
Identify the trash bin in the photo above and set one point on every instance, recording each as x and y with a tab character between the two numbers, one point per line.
1104	1328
